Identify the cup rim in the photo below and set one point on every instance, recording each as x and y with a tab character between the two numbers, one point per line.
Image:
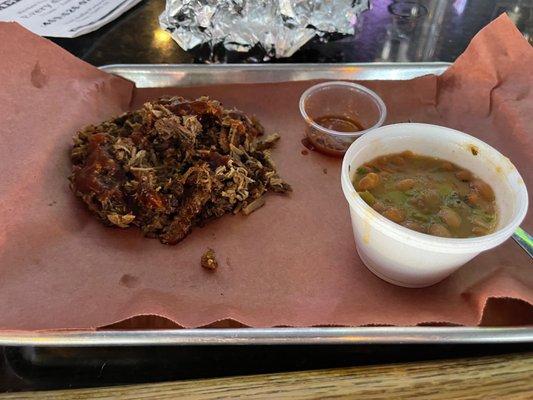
418	239
382	108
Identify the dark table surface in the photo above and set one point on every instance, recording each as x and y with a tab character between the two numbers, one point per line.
438	31
422	30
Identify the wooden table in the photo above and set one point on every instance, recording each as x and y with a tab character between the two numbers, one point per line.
508	377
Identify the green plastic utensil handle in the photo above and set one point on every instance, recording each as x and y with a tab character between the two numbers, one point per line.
525	240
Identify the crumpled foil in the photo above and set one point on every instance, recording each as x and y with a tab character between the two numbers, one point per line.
280	26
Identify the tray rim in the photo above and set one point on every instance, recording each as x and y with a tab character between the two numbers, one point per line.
280	66
270	336
195	74
397	335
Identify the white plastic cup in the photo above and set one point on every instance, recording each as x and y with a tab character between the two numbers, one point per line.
411	259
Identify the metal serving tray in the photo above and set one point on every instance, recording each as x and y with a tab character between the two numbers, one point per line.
187	75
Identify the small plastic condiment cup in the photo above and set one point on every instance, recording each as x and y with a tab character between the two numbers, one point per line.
340	99
411	259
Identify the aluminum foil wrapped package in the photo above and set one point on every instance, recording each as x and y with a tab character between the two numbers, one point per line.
280	26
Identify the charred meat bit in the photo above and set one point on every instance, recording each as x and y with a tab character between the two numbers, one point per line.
172	165
209	260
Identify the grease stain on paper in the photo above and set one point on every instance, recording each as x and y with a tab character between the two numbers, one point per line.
129	281
37	76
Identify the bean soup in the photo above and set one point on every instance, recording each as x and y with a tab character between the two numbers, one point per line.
428	195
